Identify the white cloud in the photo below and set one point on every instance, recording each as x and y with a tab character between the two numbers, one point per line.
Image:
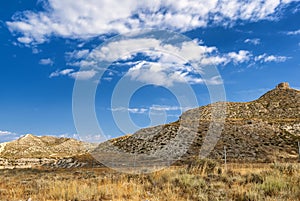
6	133
7	136
170	65
297	32
78	54
47	61
25	40
83	75
159	74
131	110
254	41
167	64
264	58
126	49
240	57
83	19
83	63
62	72
80	75
169	108
123	49
167	74
35	50
152	108
215	60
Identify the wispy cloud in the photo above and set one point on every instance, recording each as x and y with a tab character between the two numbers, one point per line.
169	108
78	54
153	108
62	72
80	75
6	136
85	19
83	75
297	32
6	133
254	41
264	58
131	110
47	61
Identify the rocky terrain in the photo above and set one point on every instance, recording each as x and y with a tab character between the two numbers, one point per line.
30	146
263	130
32	151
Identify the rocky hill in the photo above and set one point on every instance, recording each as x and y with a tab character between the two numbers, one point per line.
30	146
263	130
33	151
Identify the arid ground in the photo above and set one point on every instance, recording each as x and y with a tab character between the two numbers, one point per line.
203	180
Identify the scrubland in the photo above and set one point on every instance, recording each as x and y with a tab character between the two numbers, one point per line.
201	180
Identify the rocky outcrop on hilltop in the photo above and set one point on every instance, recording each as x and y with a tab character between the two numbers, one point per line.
263	130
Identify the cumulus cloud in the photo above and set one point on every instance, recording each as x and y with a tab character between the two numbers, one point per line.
161	74
167	64
47	61
254	41
85	19
240	57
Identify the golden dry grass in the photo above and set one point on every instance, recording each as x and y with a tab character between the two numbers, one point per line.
203	180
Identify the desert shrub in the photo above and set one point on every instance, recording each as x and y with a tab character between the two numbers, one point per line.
286	168
192	186
245	196
202	166
272	185
253	178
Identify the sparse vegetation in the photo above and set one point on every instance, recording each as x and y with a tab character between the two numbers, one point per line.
201	180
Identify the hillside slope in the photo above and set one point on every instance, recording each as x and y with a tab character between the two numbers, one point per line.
30	146
264	130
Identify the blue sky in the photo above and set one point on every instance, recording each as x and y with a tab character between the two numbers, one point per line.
47	45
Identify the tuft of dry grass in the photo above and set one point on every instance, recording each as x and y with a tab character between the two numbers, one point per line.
199	181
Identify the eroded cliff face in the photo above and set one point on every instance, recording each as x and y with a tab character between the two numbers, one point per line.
264	130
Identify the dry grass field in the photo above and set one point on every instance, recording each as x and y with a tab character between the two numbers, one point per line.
202	180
